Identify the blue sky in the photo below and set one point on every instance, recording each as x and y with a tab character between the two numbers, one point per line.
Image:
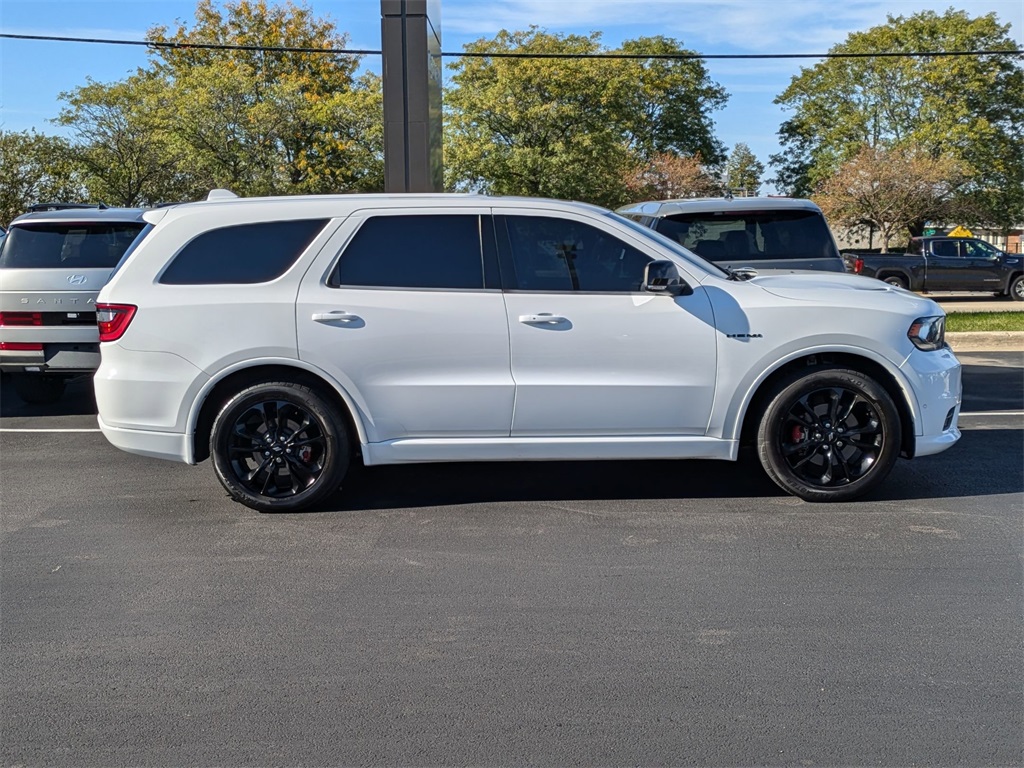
32	74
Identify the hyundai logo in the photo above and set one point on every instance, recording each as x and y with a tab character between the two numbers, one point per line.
77	279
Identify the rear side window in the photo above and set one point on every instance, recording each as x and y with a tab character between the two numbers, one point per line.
243	254
752	235
67	246
417	251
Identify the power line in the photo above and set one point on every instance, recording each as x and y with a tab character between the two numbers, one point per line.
679	55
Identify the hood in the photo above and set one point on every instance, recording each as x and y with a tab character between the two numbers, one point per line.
845	290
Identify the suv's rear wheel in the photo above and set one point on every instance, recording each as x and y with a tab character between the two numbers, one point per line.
39	390
279	447
830	435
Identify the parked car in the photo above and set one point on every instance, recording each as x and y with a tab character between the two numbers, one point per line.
282	337
944	264
761	233
52	265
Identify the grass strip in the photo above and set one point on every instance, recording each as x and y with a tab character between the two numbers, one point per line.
957	322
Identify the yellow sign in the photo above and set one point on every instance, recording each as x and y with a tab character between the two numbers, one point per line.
961	232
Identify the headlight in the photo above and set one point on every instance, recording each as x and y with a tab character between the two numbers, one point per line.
928	333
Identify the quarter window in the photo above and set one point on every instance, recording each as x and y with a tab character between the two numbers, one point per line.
552	254
248	253
414	251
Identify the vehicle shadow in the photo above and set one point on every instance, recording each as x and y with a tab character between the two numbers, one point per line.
986	462
79	400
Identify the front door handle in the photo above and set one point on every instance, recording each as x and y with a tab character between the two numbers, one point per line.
336	316
544	318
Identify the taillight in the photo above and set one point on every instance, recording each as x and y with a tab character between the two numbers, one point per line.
20	346
113	320
858	265
21	318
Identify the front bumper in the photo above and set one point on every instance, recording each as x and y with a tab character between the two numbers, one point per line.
935	380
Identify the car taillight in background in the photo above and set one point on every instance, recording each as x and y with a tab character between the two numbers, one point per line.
113	320
858	266
20	319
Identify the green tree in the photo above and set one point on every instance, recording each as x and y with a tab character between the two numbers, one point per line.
893	191
124	141
35	169
571	128
743	170
267	121
970	108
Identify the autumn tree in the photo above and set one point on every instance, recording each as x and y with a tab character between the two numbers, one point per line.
572	128
36	169
743	170
263	120
890	190
968	108
667	176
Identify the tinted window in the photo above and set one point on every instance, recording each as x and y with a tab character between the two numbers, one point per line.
944	248
550	254
67	246
752	235
249	253
419	251
978	249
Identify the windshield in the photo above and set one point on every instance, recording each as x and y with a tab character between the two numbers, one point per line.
77	245
668	243
752	235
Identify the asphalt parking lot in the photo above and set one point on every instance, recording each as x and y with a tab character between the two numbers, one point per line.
613	613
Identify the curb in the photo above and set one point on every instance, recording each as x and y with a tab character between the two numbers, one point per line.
986	341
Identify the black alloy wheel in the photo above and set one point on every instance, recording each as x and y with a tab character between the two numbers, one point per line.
830	436
279	446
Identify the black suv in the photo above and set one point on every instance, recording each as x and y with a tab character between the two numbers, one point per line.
53	263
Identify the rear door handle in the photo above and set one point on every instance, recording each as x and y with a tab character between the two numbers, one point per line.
336	316
544	318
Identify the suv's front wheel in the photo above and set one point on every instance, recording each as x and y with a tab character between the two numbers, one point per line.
830	435
279	447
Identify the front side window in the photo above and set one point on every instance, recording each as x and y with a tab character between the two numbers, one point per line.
67	246
979	249
416	251
752	235
552	254
242	254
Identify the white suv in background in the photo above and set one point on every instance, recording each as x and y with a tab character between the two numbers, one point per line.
285	336
52	265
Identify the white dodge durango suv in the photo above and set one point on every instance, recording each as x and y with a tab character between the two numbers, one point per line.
284	337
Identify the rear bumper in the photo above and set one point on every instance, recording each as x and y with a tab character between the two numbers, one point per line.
172	446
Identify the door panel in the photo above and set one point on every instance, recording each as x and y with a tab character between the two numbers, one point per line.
419	362
592	354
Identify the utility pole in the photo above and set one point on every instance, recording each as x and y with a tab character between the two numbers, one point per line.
411	45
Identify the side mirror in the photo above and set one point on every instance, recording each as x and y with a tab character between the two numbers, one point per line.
661	276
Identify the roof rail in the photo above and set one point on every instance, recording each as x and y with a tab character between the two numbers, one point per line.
37	207
221	194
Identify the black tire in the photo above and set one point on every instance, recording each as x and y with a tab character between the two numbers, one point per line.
896	280
278	446
1016	288
804	438
39	390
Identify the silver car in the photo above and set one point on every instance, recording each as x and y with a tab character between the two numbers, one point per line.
52	265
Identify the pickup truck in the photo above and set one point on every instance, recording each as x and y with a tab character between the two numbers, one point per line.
944	264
